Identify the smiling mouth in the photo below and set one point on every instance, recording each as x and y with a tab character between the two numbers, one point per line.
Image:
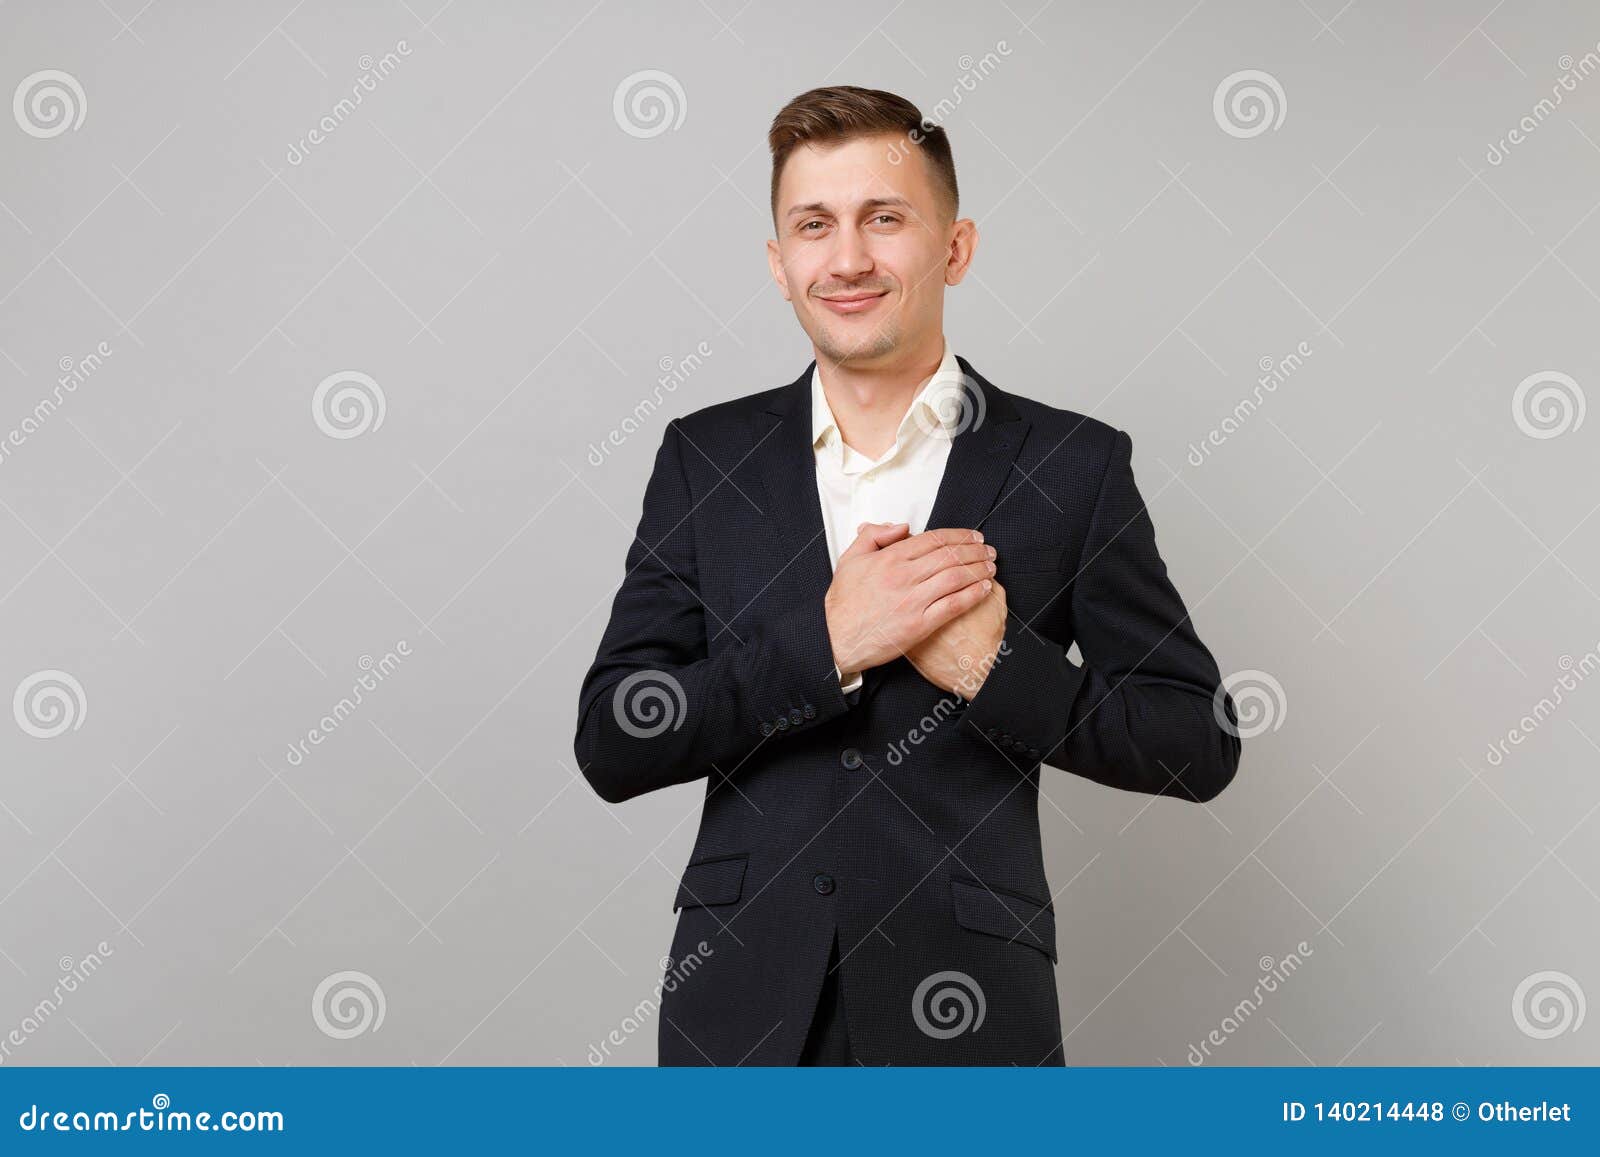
853	302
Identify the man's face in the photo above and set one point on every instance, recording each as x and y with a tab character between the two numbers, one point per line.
865	248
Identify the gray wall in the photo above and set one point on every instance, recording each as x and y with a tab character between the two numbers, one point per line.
1390	555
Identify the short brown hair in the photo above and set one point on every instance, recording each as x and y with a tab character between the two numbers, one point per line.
843	112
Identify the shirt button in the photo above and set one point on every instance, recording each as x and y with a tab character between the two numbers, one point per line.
822	882
851	758
795	716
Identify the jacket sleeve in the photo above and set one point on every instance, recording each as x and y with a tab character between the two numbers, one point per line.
656	708
1139	713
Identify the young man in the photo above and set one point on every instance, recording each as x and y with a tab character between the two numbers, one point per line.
848	609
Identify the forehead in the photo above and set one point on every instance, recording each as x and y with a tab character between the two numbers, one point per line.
848	173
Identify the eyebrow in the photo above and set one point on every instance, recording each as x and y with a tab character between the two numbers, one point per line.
874	203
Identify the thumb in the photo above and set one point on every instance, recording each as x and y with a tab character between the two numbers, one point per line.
873	536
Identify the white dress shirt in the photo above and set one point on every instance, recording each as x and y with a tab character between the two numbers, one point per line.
899	486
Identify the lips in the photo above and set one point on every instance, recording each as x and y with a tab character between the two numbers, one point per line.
853	302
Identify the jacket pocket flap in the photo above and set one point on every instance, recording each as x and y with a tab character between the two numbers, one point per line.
1003	914
717	881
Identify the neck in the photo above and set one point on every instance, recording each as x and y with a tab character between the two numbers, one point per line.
869	401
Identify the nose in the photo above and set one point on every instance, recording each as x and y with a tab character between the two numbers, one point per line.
850	258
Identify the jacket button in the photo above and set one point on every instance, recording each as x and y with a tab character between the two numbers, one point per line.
993	732
766	727
795	716
1019	745
851	758
1033	753
783	723
822	882
809	711
1005	737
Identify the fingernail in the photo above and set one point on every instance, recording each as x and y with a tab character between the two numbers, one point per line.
987	584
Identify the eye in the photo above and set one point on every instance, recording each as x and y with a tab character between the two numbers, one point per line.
889	217
814	221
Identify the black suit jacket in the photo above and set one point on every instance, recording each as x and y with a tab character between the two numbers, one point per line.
902	818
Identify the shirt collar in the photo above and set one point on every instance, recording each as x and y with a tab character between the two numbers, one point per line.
926	401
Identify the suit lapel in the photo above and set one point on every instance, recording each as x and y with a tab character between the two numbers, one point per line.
980	459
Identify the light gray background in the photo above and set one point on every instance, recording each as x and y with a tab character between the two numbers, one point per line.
484	240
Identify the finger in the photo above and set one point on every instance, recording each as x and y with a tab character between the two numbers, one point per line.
942	610
931	540
948	581
871	536
971	555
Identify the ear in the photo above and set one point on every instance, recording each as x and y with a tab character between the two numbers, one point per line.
963	247
775	263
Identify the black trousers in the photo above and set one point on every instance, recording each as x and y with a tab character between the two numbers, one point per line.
828	1043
